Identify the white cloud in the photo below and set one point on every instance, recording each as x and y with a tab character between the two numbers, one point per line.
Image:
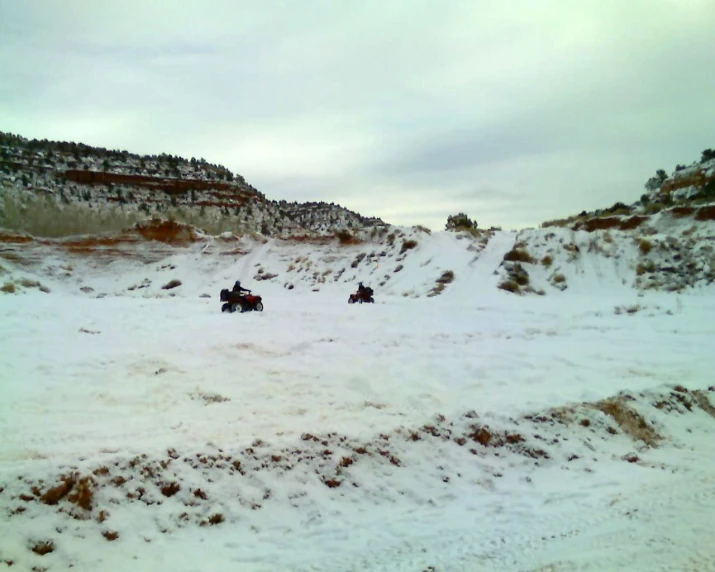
395	109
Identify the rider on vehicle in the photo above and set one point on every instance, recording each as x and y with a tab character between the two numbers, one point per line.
239	289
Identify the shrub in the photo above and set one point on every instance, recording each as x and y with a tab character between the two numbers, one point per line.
460	221
43	547
644	246
547	261
446	278
408	245
509	286
641	268
558	278
171	284
654	183
344	236
653	208
518	255
8	288
421	228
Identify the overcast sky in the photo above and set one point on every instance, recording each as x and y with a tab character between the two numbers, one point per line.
511	111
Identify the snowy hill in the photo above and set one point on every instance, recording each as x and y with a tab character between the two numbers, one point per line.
77	181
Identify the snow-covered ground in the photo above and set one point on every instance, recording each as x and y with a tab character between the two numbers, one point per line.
473	430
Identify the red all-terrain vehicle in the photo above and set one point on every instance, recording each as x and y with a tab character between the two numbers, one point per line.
235	302
363	294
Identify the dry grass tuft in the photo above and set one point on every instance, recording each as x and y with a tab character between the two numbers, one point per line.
630	421
446	278
408	245
208	397
558	278
627	309
436	290
8	288
56	494
547	261
110	535
518	254
345	237
43	547
171	284
645	246
27	283
509	286
481	435
82	494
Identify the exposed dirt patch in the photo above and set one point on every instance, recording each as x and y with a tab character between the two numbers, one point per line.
9	237
169	490
706	213
170	232
605	223
681	212
629	420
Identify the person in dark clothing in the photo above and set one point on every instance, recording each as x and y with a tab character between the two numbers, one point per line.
361	288
240	289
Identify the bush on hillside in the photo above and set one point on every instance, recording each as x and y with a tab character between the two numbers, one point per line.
654	183
460	221
408	245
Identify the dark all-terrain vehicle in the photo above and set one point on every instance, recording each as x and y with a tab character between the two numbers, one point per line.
364	294
237	302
